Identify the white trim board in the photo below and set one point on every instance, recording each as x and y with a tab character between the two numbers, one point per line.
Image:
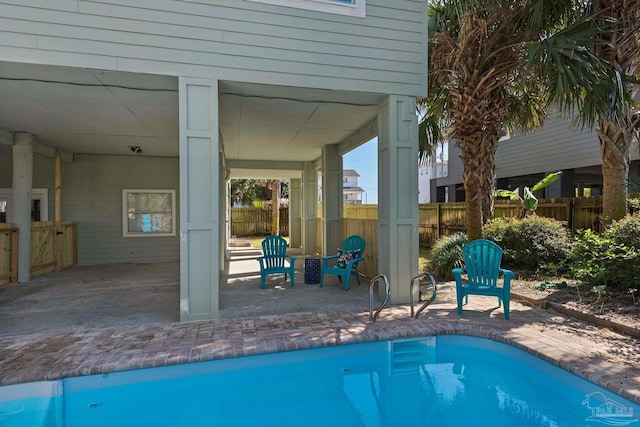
357	8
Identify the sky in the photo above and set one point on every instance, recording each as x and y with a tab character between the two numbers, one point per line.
364	160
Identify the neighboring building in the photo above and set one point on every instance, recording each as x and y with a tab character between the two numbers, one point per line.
424	183
352	193
436	167
149	107
525	158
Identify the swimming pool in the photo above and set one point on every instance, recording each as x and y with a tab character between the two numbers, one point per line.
434	381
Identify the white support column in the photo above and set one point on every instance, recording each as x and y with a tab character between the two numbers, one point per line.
309	209
398	194
332	196
295	213
222	210
199	199
21	203
227	217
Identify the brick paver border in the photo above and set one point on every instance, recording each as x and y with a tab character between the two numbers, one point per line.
604	357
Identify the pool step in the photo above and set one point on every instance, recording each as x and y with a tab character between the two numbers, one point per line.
410	355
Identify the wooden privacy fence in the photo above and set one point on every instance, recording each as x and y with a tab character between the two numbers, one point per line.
8	254
256	221
445	219
360	211
368	229
53	247
435	220
363	220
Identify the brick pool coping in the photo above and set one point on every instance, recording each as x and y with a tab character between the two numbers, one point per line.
597	354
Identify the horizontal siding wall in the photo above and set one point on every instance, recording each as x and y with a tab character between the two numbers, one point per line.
92	198
559	145
43	175
455	167
235	40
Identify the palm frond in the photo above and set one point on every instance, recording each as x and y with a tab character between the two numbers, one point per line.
537	16
432	125
576	77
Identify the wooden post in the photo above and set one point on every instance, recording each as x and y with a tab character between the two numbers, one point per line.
570	214
275	208
8	256
58	210
58	186
14	256
74	231
438	229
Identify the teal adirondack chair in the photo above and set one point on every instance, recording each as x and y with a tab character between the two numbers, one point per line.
482	264
274	259
344	263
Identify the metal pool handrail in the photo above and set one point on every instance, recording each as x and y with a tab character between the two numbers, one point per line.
416	281
375	280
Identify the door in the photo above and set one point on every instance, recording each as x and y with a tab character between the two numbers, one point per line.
39	205
3	210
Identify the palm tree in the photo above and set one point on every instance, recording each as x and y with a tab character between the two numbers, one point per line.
274	186
622	51
501	63
249	190
275	207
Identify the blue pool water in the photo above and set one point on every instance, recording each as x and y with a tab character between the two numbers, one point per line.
435	381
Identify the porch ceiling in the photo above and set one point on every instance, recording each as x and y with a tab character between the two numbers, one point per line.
260	122
79	110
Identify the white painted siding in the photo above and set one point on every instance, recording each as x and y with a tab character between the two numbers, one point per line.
351	181
234	40
424	183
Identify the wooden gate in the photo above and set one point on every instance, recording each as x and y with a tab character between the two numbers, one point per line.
8	254
53	246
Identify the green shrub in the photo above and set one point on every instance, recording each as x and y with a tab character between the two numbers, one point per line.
446	255
586	261
534	243
611	259
626	231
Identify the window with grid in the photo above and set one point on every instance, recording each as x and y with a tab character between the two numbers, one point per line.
148	213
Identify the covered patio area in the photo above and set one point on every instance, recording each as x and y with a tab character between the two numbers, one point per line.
136	294
141	164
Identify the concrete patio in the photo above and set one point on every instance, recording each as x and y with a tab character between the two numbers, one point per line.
118	295
102	319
